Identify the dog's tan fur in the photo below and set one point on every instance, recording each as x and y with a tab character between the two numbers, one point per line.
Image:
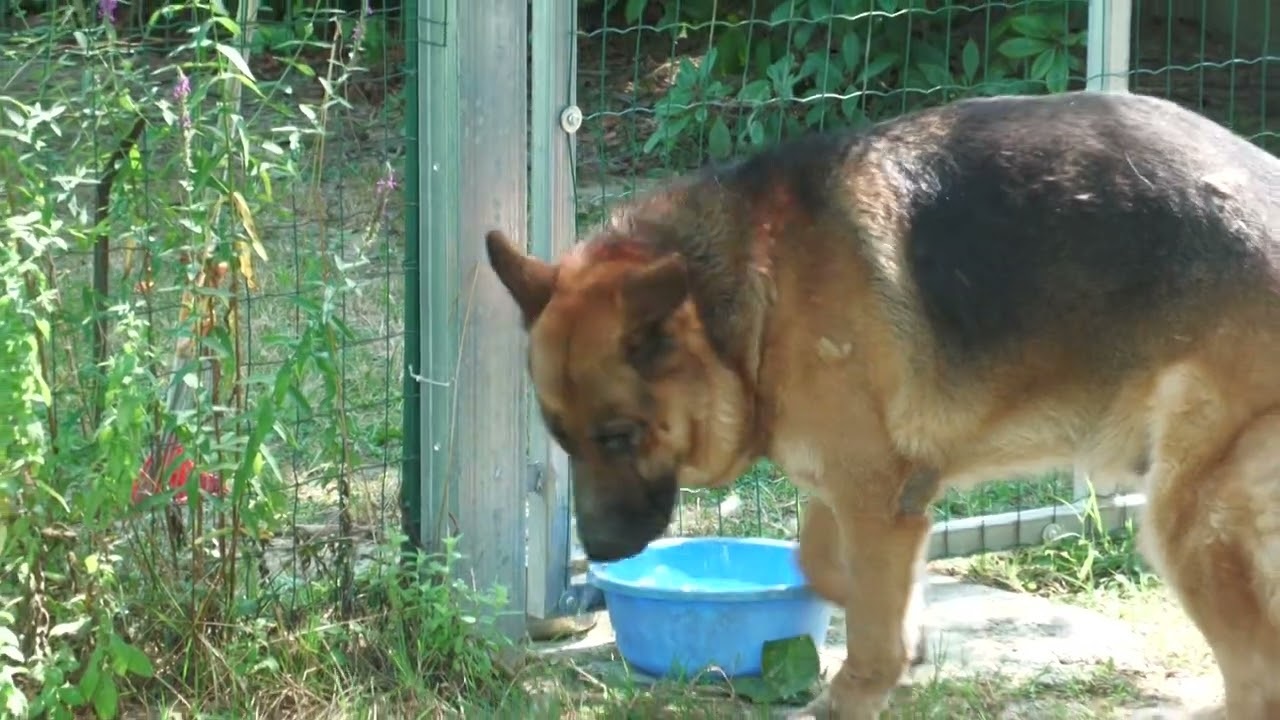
778	308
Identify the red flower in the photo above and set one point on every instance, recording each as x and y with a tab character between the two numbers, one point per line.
146	484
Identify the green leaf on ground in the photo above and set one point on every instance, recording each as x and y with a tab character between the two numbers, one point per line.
790	667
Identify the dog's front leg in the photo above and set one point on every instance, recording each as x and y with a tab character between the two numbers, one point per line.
881	552
822	559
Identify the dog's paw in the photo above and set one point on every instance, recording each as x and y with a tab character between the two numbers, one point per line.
809	712
824	708
818	708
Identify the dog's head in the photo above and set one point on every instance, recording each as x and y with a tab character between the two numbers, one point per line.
627	383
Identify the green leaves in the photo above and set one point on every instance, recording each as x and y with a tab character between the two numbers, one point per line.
878	65
99	688
1052	67
719	140
1022	47
789	668
1039	25
634	9
1042	43
815	63
10	648
969	61
851	51
106	698
98	682
128	660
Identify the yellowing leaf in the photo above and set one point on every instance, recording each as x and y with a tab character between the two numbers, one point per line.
246	264
130	248
246	219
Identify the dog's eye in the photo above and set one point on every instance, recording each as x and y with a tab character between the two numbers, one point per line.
616	440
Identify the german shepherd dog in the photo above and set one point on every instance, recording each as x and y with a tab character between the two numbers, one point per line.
996	286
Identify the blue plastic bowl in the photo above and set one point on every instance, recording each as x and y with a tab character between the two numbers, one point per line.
685	604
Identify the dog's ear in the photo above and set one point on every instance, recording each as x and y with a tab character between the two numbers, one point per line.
653	292
529	280
649	297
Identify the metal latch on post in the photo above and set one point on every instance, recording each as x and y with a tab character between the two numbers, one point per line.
536	477
571	119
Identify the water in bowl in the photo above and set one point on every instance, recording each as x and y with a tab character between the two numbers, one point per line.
665	576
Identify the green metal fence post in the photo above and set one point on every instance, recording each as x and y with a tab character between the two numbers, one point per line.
411	465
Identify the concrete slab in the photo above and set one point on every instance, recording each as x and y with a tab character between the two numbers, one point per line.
973	629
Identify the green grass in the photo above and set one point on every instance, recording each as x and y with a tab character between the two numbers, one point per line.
573	691
1005	496
594	685
579	688
567	689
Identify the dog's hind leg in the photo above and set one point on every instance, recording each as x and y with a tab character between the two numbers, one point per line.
1212	528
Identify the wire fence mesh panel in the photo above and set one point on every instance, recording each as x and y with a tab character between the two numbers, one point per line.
1221	59
203	309
666	86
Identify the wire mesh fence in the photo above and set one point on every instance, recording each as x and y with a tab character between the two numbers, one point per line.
203	247
666	86
1221	59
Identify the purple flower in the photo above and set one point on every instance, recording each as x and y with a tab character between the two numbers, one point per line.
358	34
182	88
386	184
180	92
107	10
368	10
